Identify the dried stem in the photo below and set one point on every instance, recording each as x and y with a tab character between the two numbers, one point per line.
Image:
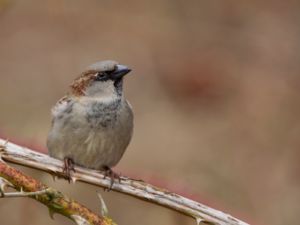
139	189
23	194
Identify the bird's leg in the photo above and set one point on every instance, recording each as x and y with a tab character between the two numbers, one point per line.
108	172
68	167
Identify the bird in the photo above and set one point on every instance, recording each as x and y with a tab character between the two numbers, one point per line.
92	124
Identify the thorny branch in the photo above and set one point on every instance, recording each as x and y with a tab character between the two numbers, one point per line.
56	201
136	188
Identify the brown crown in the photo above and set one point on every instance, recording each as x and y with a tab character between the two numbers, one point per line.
80	84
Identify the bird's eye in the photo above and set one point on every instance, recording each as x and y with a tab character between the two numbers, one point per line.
100	76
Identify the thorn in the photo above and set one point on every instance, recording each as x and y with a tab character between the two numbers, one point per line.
199	220
103	207
73	179
51	213
4	183
203	221
80	220
54	177
6	142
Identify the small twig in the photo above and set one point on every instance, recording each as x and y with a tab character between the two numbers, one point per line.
138	189
22	194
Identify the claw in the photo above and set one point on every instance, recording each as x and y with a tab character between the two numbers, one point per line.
68	168
112	175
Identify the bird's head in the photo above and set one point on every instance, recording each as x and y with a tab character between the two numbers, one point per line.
101	79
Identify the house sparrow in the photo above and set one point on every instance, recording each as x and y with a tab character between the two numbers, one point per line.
92	125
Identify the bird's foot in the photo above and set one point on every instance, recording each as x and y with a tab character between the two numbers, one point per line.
108	172
68	168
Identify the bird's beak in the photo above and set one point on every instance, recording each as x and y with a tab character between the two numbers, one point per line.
120	72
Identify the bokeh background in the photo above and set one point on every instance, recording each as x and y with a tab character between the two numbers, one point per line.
215	90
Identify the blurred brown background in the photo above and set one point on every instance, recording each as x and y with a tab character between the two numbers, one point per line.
215	90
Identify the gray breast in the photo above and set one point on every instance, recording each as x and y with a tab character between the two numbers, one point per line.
93	135
102	115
